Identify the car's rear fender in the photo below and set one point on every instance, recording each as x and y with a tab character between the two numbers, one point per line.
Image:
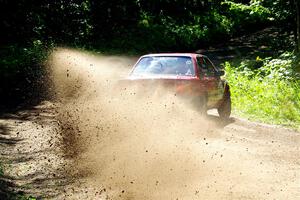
182	87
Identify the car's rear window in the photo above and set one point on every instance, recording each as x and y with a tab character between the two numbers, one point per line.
164	65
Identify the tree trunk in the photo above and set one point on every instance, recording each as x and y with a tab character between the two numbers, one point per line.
297	35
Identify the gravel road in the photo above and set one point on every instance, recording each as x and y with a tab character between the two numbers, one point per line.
88	144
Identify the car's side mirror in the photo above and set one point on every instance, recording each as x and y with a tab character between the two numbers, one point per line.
220	73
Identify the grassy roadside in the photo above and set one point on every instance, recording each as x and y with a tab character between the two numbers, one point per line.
266	90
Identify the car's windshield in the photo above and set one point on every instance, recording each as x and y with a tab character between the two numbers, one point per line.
164	65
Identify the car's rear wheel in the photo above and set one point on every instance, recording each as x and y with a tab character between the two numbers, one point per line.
224	109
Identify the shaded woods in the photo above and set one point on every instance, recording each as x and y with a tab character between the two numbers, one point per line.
138	24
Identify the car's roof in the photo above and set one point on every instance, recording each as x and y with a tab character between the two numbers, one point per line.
173	54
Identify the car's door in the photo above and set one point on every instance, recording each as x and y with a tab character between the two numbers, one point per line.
212	81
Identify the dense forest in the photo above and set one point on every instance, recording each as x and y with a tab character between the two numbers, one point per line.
30	29
140	25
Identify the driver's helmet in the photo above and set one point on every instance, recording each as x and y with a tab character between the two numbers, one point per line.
155	67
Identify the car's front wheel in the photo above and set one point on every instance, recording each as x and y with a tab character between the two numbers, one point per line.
224	109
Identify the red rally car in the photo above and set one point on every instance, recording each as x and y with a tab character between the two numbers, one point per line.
189	75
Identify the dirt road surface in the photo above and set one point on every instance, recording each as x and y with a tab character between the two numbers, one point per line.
101	140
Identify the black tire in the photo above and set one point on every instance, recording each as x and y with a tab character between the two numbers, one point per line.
224	109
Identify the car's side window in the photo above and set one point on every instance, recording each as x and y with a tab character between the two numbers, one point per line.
199	65
206	66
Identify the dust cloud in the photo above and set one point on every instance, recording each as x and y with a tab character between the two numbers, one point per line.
132	143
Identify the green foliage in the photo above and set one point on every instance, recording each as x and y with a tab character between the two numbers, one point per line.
282	10
55	20
247	16
163	32
266	90
15	58
186	26
201	30
136	25
21	70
